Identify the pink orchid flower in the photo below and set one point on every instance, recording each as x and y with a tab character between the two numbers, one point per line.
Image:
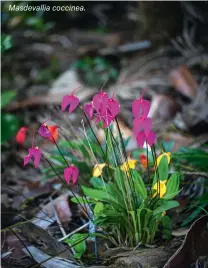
142	137
71	172
140	108
112	111
88	108
106	108
142	124
70	100
100	102
34	153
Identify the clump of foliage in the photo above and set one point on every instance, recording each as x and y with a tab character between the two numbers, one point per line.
129	209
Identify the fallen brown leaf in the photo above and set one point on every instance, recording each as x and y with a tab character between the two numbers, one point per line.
194	245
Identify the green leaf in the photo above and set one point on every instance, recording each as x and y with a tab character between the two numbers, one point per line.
166	224
82	200
171	195
139	184
7	97
120	177
79	240
98	209
97	183
163	169
102	195
172	186
9	126
165	205
77	255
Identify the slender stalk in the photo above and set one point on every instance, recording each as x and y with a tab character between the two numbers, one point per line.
60	151
88	121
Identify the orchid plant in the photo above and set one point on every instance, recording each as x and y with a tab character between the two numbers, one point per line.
131	210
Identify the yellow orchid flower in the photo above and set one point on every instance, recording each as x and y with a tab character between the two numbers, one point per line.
129	164
98	169
160	188
160	157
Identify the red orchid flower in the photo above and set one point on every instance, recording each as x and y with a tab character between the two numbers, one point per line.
143	160
21	135
48	132
70	100
71	172
34	153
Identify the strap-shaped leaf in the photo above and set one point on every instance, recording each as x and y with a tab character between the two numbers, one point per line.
139	184
172	186
165	205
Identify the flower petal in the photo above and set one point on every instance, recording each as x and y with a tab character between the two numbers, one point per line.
140	108
160	188
67	174
88	108
27	159
37	157
100	102
98	169
114	107
141	139
71	100
21	134
54	133
44	131
165	155
151	138
75	174
147	125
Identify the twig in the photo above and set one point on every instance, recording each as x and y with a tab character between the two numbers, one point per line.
75	231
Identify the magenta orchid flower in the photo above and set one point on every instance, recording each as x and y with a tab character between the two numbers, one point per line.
71	172
44	131
140	108
100	102
89	110
106	108
142	124
142	137
34	153
70	100
112	111
48	132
